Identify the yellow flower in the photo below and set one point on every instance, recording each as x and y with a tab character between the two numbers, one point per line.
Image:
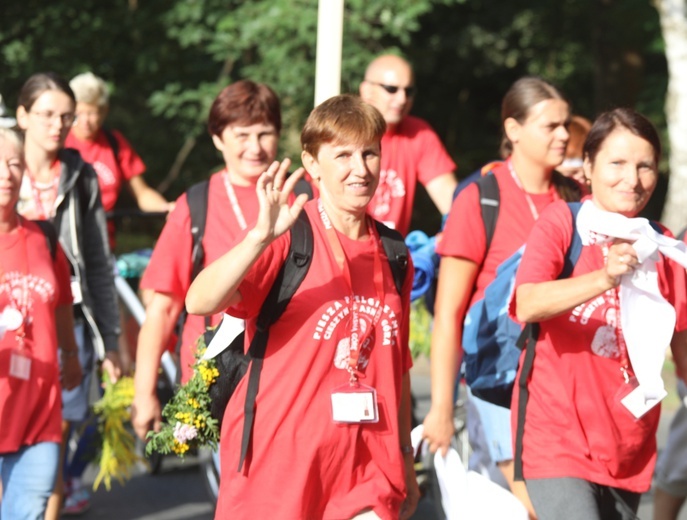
193	402
179	448
209	375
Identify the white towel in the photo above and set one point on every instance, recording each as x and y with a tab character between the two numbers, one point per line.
646	318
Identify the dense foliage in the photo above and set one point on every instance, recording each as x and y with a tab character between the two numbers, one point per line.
167	60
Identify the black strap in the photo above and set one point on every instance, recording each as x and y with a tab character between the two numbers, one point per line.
289	278
112	141
197	200
396	251
50	233
489	201
303	186
623	505
527	340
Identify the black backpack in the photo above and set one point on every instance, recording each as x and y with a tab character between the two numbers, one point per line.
233	362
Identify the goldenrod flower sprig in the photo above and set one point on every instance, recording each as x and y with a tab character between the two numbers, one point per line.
118	457
187	421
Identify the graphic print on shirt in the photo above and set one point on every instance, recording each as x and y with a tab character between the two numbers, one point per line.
601	312
335	323
105	174
19	291
390	187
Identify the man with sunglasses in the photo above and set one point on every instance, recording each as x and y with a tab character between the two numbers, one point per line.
411	150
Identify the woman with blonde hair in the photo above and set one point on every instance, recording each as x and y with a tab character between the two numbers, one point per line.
35	319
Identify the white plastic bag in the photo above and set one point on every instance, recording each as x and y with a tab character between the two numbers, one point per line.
467	495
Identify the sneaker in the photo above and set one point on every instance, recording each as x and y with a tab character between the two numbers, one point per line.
77	503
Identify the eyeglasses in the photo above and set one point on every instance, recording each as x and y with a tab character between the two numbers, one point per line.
392	89
48	117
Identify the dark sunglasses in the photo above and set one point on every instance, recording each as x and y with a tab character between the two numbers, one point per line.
392	89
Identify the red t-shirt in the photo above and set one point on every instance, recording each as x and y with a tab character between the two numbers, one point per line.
169	270
412	152
111	172
575	425
303	465
464	235
31	410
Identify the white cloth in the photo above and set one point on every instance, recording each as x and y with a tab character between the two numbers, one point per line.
467	495
228	329
646	318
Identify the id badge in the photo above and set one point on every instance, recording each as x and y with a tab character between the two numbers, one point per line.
632	398
76	291
20	365
354	404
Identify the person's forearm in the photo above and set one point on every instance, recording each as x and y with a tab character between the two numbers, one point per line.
444	363
541	301
153	337
64	320
678	346
151	200
405	412
216	287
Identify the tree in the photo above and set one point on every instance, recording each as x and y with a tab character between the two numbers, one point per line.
673	17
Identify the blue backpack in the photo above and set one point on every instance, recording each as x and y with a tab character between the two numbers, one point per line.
490	336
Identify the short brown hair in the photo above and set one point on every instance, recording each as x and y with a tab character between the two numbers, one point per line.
244	103
626	118
342	119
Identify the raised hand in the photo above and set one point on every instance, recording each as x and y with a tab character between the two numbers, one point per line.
274	190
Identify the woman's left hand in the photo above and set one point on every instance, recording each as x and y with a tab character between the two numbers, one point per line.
412	490
71	372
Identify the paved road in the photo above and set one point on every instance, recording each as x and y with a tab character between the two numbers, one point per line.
178	491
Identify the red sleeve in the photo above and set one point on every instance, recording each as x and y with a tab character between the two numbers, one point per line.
130	162
673	286
169	269
545	249
259	280
434	159
62	277
463	235
546	246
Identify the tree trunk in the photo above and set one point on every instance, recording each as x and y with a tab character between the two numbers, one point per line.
674	27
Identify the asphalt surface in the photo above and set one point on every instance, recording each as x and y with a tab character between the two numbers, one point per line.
178	491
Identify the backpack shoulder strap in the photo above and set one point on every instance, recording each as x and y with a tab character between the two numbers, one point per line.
396	251
289	278
197	200
50	233
303	186
572	255
112	141
489	201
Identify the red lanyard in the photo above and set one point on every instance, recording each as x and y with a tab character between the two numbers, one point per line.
620	338
359	338
234	201
530	202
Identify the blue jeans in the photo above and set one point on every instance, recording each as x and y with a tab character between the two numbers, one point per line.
28	478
